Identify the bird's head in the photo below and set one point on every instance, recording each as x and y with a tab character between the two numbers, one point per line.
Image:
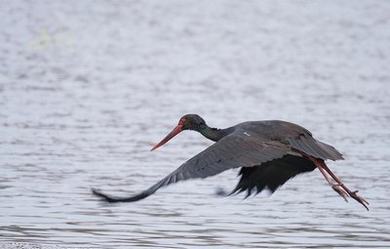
187	122
192	122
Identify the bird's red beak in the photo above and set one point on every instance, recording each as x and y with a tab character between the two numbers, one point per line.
171	134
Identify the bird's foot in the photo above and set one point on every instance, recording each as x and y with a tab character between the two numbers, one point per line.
359	199
340	190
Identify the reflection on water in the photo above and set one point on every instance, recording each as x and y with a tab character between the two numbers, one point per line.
87	87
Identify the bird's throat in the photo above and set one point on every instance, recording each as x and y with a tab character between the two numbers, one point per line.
213	134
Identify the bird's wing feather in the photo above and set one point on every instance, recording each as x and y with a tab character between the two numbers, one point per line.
273	174
233	151
312	147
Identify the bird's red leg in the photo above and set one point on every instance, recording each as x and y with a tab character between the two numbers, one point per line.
353	194
340	185
336	187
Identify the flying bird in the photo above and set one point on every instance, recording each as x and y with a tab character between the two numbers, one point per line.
268	153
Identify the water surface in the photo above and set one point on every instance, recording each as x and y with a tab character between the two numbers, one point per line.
87	87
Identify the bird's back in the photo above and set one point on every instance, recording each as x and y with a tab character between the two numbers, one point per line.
290	134
273	129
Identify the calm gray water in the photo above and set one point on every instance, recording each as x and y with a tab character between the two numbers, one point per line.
87	87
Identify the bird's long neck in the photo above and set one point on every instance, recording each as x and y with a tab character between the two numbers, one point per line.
212	133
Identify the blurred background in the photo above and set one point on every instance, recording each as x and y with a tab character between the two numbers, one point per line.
87	87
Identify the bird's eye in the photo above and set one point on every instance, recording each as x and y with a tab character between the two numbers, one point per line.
182	121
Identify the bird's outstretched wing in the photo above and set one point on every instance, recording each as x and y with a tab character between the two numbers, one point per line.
235	150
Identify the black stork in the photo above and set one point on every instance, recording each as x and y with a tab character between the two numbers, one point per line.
269	153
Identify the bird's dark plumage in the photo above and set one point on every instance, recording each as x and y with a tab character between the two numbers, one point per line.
271	175
269	153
